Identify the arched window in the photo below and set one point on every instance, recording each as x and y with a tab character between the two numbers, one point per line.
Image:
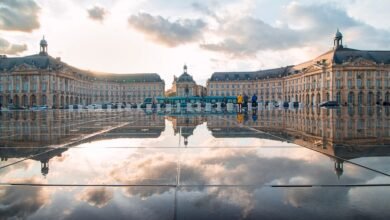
338	97
360	98
378	97
370	98
351	98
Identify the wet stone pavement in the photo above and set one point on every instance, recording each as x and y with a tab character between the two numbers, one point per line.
306	163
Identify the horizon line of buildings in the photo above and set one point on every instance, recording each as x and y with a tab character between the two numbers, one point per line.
349	76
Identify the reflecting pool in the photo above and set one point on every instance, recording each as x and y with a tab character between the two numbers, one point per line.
131	164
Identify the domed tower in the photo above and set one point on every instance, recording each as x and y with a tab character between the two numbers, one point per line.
43	47
338	40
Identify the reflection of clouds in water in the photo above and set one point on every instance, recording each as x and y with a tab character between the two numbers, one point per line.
8	172
315	197
222	166
98	197
21	202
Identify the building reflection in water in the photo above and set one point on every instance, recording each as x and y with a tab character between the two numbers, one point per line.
342	134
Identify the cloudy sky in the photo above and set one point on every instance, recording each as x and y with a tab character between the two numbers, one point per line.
161	36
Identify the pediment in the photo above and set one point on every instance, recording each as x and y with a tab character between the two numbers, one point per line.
359	61
23	67
310	68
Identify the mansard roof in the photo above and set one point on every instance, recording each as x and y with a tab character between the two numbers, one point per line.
44	62
250	75
37	61
342	55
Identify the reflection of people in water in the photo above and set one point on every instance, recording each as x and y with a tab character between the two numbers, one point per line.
240	117
239	102
254	116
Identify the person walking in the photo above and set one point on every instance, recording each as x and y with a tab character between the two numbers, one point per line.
254	100
239	102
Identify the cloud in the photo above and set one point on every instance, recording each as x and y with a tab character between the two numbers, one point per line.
170	33
19	15
21	202
248	35
97	13
11	49
300	26
98	197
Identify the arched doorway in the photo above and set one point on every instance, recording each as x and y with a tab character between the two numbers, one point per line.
370	98
338	97
71	100
15	101
351	98
67	100
360	98
378	98
7	99
313	99
318	98
387	97
77	100
62	101
307	99
54	101
44	100
327	97
24	100
33	100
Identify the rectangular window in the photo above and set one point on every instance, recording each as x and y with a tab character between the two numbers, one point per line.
338	74
338	84
349	73
327	84
368	83
378	83
359	83
349	84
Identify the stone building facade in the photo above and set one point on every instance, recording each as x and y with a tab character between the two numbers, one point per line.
43	80
349	76
185	85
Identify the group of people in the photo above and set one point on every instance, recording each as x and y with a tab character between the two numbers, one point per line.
242	101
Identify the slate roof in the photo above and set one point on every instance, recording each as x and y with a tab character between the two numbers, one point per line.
39	61
47	62
251	75
185	77
346	54
338	56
